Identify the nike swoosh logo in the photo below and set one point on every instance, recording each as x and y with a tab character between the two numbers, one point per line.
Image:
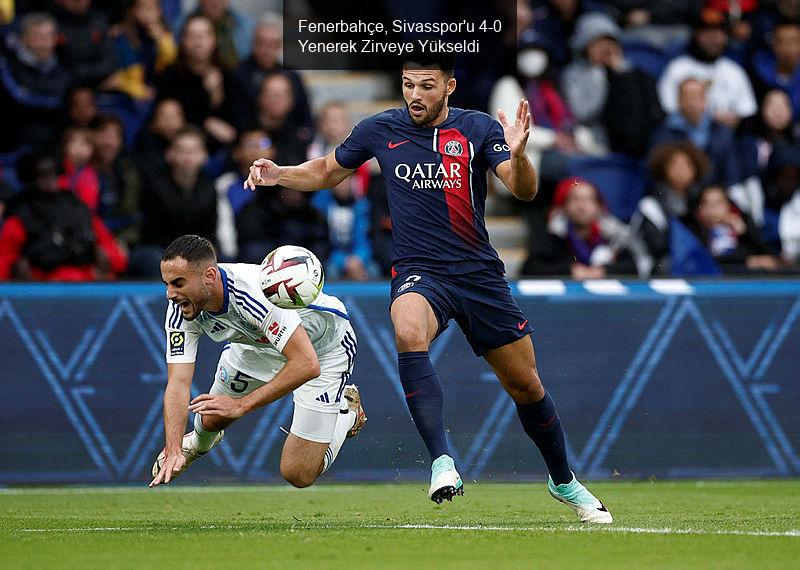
521	325
412	394
395	145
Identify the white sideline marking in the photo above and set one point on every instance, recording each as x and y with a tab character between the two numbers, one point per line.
541	287
605	287
584	529
596	528
671	286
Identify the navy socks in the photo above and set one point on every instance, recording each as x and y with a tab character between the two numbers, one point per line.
424	398
542	424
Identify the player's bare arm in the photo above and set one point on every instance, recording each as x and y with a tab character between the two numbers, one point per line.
301	366
312	175
176	394
518	173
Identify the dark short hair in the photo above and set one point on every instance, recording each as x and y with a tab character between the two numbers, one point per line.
102	120
192	248
444	61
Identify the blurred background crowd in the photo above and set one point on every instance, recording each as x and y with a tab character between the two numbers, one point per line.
665	135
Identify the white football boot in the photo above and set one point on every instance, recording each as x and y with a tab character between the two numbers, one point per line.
189	452
578	498
446	483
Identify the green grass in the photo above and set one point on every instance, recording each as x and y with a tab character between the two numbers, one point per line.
692	524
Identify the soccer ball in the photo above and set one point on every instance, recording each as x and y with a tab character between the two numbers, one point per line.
291	277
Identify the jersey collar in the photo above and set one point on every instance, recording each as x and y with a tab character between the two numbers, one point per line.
224	295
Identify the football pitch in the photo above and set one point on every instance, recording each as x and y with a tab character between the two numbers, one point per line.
687	524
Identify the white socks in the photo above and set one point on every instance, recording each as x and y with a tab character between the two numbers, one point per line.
343	424
202	440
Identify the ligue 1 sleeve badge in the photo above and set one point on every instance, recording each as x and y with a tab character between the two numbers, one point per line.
177	341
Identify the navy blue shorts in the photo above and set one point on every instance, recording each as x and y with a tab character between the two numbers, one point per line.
480	302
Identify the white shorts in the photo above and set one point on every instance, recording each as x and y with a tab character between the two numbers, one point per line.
316	403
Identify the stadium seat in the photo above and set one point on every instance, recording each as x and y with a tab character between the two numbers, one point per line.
621	179
645	56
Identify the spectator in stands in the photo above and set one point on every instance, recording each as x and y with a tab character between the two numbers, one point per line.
554	135
50	235
198	81
657	23
333	126
251	145
177	200
779	67
278	217
234	30
32	85
730	236
773	125
766	17
275	105
84	46
782	189
144	47
582	239
264	59
81	107
676	170
77	173
346	209
555	21
758	136
167	121
120	182
617	102
730	96
357	214
740	15
692	121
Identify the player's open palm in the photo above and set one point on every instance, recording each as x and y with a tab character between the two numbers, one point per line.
516	133
263	172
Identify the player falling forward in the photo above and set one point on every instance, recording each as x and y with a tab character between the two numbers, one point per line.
271	352
434	159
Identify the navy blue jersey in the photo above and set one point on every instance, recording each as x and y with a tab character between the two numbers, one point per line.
436	184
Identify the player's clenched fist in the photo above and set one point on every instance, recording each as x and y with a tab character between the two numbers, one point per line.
263	172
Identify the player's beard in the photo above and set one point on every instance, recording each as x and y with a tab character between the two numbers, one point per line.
197	305
428	117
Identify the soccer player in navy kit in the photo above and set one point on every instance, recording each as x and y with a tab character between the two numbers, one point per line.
434	159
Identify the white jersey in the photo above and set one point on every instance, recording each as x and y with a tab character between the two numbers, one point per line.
256	329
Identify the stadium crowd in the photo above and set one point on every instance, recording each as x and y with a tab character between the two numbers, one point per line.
665	135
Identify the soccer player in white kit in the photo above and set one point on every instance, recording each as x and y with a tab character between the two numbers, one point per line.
270	353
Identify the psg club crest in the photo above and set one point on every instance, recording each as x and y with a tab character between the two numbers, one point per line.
453	148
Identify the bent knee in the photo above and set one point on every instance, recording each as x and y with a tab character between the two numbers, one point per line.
298	478
528	391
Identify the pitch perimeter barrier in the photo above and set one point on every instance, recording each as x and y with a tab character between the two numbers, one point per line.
665	378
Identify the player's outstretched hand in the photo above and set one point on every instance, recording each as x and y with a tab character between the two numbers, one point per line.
172	464
218	405
263	172
516	135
